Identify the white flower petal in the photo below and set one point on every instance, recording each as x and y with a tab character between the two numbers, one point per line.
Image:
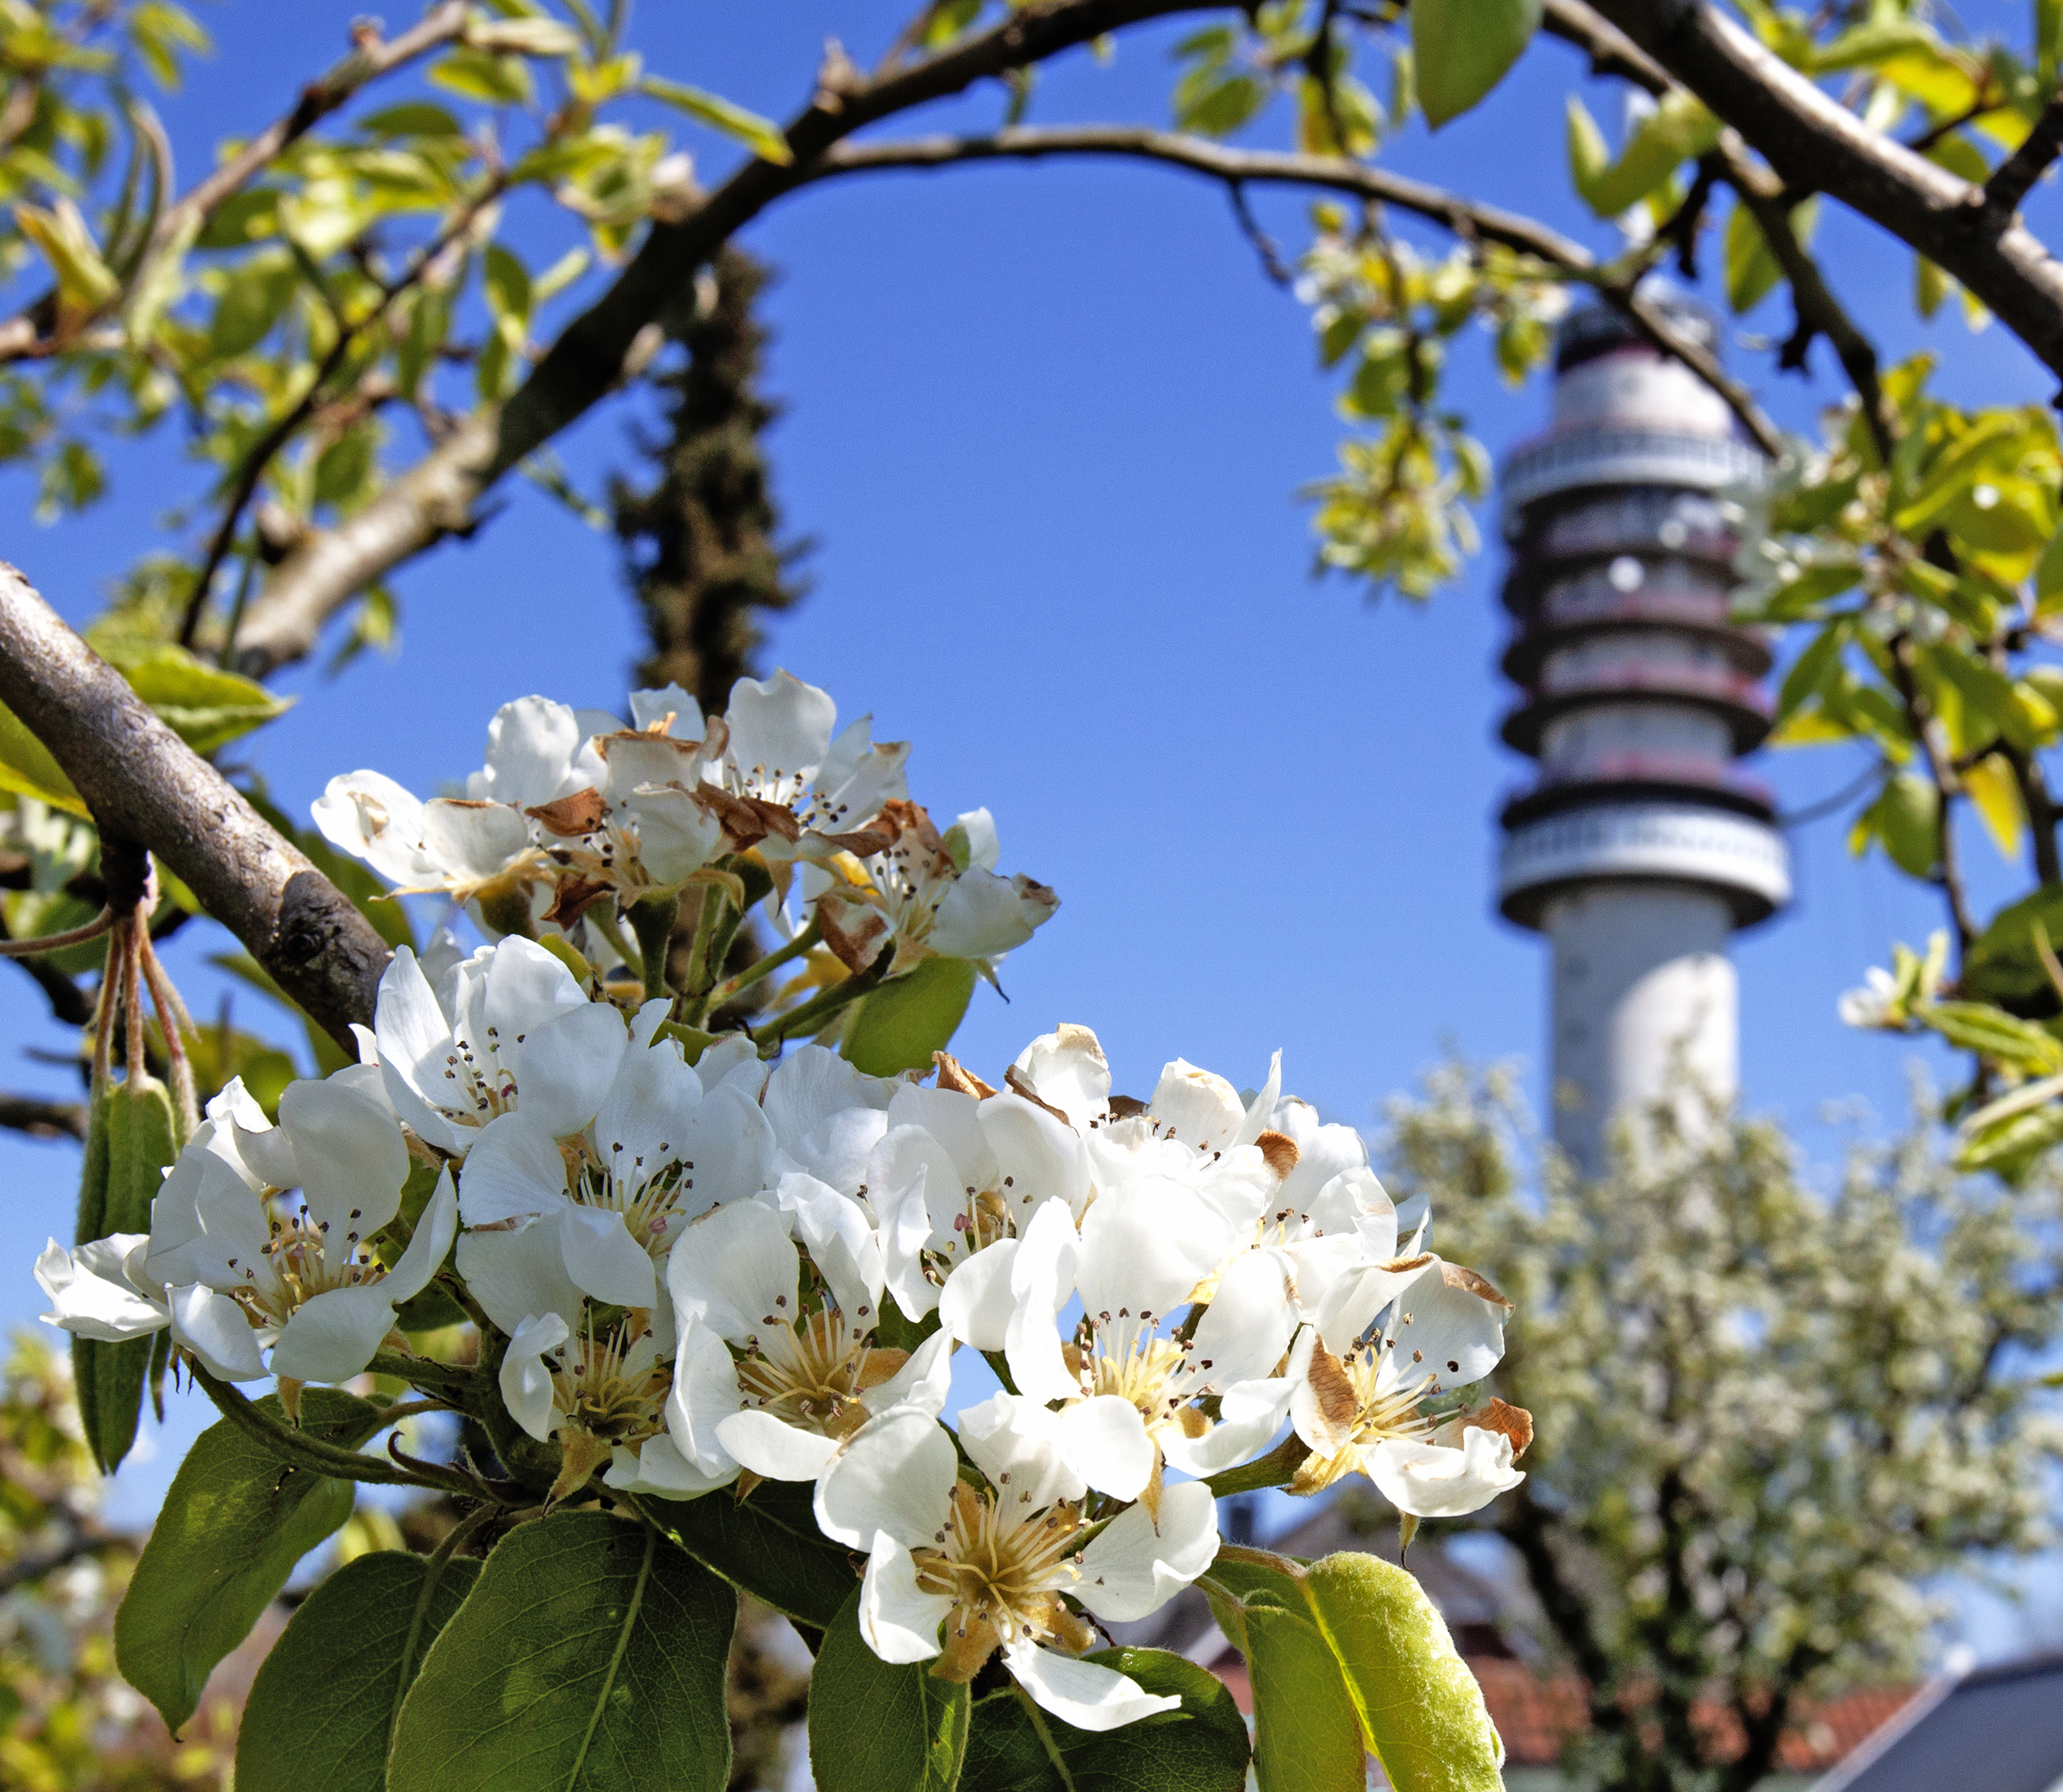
705	1393
429	1245
604	1260
737	1269
1068	1068
353	1157
332	1336
1105	1441
519	1274
1135	1566
1043	1158
372	818
414	1036
514	1168
923	1381
564	1067
976	1303
1084	1693
214	1328
649	706
472	843
897	1620
1448	1330
1197	1107
1248	1326
780	729
530	748
525	1383
1431	1480
1249	1414
1262	1107
91	1297
677	836
1146	1245
771	1446
1017	1444
841	1243
896	1474
660	1469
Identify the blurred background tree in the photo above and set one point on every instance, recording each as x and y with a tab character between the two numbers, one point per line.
1768	1419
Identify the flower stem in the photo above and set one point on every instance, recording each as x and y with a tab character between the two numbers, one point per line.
731	988
814	1013
652	920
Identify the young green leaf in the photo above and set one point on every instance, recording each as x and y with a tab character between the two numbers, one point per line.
900	1025
131	1140
589	1657
1306	1733
875	1726
1420	1707
27	769
204	705
235	1522
762	136
1461	48
1200	1748
340	1672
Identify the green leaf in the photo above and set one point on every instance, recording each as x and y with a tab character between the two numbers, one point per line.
1350	1647
507	283
2003	967
84	282
1307	1736
412	118
257	291
589	1657
763	137
875	1726
767	1544
900	1025
1200	1748
27	769
1461	49
204	705
336	1676
1907	817
130	1141
1420	1707
236	1521
481	74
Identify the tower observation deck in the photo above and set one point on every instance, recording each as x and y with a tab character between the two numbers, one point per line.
1641	847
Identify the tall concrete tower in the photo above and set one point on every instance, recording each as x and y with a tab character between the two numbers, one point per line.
1641	848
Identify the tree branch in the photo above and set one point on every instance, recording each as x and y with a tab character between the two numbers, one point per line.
436	498
1816	144
143	783
42	1119
2012	178
1341	173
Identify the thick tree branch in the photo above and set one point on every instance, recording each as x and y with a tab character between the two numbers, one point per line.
1816	144
1341	173
41	1119
144	784
435	498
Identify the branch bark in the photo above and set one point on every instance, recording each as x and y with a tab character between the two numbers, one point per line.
1466	217
42	1119
144	784
1816	144
435	498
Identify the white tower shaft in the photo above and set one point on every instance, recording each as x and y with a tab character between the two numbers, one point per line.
1640	848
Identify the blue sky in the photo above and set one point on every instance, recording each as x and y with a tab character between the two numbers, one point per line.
1047	427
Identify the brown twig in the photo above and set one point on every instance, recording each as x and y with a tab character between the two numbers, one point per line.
42	1119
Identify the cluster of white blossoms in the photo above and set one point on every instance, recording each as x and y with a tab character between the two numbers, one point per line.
574	807
706	1274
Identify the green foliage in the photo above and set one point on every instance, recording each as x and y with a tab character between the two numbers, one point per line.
875	1727
1346	1650
1015	1747
902	1023
340	1671
590	1657
235	1522
768	1543
1461	49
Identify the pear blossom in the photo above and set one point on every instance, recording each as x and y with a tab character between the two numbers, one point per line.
102	1289
1360	1391
620	1138
955	1178
1131	1378
956	1571
827	1117
275	1224
932	894
773	1370
455	1039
